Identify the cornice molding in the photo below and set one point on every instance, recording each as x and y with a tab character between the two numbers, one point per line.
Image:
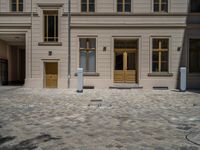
111	25
15	25
18	14
131	14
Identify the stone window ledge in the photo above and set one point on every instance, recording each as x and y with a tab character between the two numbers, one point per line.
90	74
160	74
49	44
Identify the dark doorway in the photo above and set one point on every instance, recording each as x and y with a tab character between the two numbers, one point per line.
3	72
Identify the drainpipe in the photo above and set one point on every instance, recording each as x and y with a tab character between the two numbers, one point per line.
69	42
31	34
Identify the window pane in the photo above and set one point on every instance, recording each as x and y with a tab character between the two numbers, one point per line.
164	67
51	26
127	8
14	7
156	7
155	67
20	7
164	56
83	43
164	43
131	61
45	25
83	60
91	8
128	1
119	7
92	61
84	7
155	43
119	61
91	1
119	1
155	56
92	43
164	8
195	5
56	28
164	1
84	1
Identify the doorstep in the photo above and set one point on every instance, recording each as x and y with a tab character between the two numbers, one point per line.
125	86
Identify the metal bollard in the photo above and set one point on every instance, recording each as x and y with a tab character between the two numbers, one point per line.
80	80
183	79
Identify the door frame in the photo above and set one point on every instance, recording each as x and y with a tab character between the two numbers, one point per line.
138	56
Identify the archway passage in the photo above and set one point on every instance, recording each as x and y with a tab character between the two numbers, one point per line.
12	59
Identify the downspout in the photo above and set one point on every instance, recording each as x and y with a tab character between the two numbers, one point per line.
69	42
31	35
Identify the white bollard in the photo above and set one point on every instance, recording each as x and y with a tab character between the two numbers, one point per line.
80	80
183	79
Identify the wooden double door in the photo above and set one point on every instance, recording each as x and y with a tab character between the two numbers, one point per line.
51	75
125	66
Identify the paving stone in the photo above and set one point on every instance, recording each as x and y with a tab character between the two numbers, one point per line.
62	119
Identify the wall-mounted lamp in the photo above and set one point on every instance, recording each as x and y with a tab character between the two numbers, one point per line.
179	49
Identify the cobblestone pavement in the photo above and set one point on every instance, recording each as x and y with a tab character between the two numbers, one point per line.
42	119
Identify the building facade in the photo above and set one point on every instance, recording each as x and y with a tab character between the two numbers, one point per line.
139	43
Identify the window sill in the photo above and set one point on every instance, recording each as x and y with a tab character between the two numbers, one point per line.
160	12
160	74
49	44
94	74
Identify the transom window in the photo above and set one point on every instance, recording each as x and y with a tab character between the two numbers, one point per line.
87	5
160	55
17	5
160	6
194	56
123	5
50	25
195	6
88	54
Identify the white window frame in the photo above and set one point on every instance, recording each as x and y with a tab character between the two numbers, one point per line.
169	53
169	7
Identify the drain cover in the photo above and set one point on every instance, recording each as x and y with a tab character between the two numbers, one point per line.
98	103
96	100
194	138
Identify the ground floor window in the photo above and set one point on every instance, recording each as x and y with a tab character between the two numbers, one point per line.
194	56
160	55
88	54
